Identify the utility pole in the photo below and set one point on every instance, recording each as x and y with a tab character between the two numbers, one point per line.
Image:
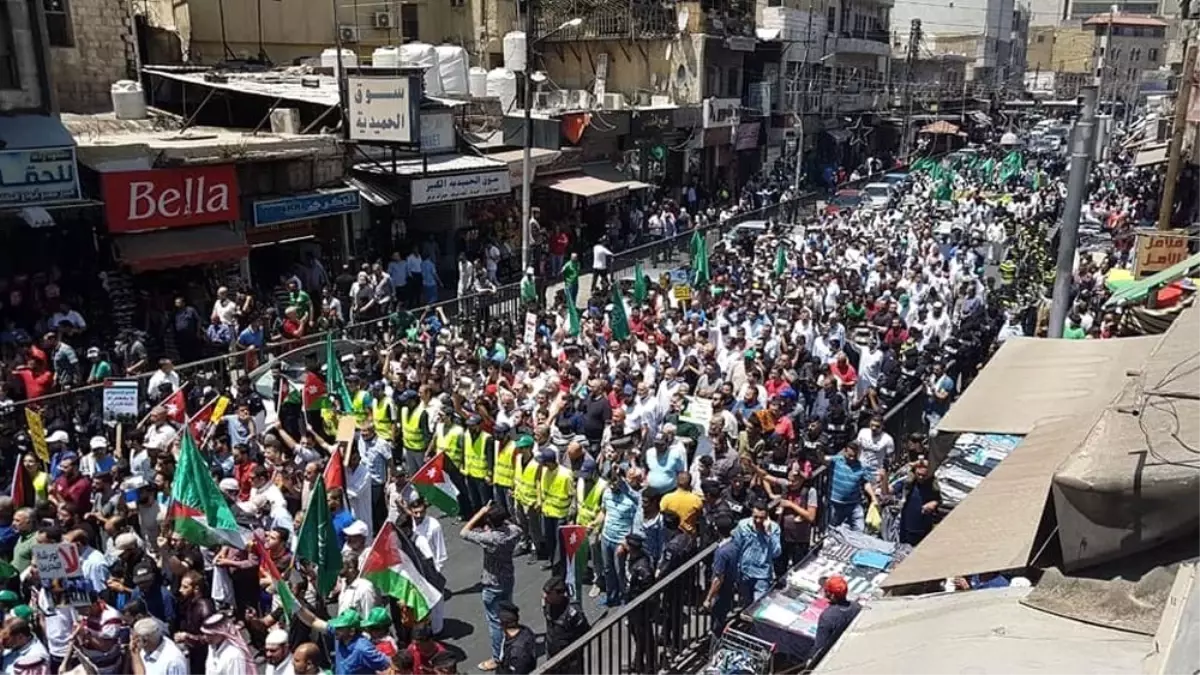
1068	238
802	99
527	146
910	61
1175	149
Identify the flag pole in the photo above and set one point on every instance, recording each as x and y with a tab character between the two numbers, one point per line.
164	400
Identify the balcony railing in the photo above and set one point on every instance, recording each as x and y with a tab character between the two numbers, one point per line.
872	35
606	19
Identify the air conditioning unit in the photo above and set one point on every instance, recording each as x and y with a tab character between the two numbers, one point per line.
614	102
382	20
348	33
581	99
660	100
285	121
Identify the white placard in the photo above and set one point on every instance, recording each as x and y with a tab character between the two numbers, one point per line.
380	109
455	188
437	132
120	400
56	561
699	412
531	321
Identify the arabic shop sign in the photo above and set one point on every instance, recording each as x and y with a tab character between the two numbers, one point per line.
652	123
384	109
305	207
1156	251
455	188
721	112
38	177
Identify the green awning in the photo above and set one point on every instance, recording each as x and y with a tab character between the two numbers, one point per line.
1137	291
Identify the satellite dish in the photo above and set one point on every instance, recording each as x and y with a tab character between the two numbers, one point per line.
1009	138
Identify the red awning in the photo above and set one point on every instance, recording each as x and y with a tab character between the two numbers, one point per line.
168	249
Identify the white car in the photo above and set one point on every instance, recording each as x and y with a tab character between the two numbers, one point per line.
877	195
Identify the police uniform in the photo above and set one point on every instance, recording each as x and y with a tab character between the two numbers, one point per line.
561	632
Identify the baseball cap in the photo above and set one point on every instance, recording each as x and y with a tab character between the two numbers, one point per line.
347	619
98	443
143	573
378	617
835	587
59	436
588	468
356	529
547	456
525	441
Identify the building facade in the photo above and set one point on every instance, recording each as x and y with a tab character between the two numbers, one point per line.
1128	48
980	29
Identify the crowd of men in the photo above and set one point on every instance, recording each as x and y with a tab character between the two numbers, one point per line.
661	427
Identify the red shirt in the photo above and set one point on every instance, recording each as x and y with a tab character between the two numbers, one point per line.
559	242
78	491
291	329
844	372
421	661
242	473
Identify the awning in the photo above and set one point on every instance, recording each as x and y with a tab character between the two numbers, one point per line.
941	127
33	132
609	173
1137	291
374	191
1151	157
582	185
168	249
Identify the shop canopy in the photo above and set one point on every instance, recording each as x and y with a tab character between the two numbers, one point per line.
167	249
374	191
1136	291
596	183
1151	156
941	127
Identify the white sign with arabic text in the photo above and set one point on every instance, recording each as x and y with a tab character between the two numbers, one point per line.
381	109
455	188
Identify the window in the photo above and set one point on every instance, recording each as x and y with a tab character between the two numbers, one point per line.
831	19
1152	55
9	78
409	27
733	83
1041	38
58	23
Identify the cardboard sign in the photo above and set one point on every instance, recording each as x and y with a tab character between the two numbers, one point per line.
346	428
530	336
1158	251
699	412
57	561
683	294
120	400
37	434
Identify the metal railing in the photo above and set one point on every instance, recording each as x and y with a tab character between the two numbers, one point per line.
665	625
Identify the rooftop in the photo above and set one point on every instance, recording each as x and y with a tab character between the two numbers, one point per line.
1120	19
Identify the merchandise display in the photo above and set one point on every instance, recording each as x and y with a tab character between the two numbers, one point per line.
737	653
970	461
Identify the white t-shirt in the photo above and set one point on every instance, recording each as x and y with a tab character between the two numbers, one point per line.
600	257
166	659
226	311
875	450
224	659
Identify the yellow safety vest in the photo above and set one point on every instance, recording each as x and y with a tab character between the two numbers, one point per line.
381	412
358	406
526	490
589	504
502	472
476	451
410	425
448	442
556	492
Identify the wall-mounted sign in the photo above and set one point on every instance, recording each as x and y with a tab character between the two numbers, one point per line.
455	188
38	177
158	198
384	109
437	132
306	206
747	136
721	112
652	122
1158	251
740	43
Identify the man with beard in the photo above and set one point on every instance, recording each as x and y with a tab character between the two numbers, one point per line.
428	537
195	607
278	656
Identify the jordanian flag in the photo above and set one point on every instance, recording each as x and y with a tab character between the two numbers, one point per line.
313	394
397	575
574	540
287	599
198	509
432	483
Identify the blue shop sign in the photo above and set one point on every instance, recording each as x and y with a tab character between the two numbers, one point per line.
305	207
38	177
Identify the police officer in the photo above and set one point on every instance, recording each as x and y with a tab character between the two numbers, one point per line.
639	575
565	623
520	645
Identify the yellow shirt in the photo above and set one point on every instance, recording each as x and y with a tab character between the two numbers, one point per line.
686	505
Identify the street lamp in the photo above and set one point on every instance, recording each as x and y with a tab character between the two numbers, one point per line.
527	159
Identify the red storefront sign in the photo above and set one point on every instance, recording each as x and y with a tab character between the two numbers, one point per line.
161	198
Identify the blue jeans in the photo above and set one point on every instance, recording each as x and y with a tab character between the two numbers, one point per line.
614	572
492	597
431	294
850	515
572	293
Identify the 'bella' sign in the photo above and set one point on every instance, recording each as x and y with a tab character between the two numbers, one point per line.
160	198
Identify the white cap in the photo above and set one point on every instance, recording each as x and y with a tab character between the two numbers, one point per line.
356	529
59	436
229	484
98	442
277	637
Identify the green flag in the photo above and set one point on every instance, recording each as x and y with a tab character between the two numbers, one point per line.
944	191
700	260
641	285
528	289
573	324
198	509
335	382
780	262
1037	180
618	322
317	542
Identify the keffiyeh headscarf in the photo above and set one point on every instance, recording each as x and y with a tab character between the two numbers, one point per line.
228	630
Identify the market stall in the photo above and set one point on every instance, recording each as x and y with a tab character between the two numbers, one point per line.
786	617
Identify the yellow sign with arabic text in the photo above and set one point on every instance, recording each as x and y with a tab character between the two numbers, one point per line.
1158	251
37	434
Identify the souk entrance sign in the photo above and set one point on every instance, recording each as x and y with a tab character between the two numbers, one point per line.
384	109
1156	251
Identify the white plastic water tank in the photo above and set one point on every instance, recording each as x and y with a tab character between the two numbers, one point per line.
514	51
385	57
421	55
502	83
452	64
329	58
128	101
477	81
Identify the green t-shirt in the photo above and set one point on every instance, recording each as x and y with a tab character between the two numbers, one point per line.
301	302
1076	333
571	272
100	370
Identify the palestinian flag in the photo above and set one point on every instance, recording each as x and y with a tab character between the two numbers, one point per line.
432	483
285	393
198	509
287	599
313	394
335	471
574	541
176	406
21	489
397	575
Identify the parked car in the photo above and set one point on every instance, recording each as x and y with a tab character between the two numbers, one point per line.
844	200
878	195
